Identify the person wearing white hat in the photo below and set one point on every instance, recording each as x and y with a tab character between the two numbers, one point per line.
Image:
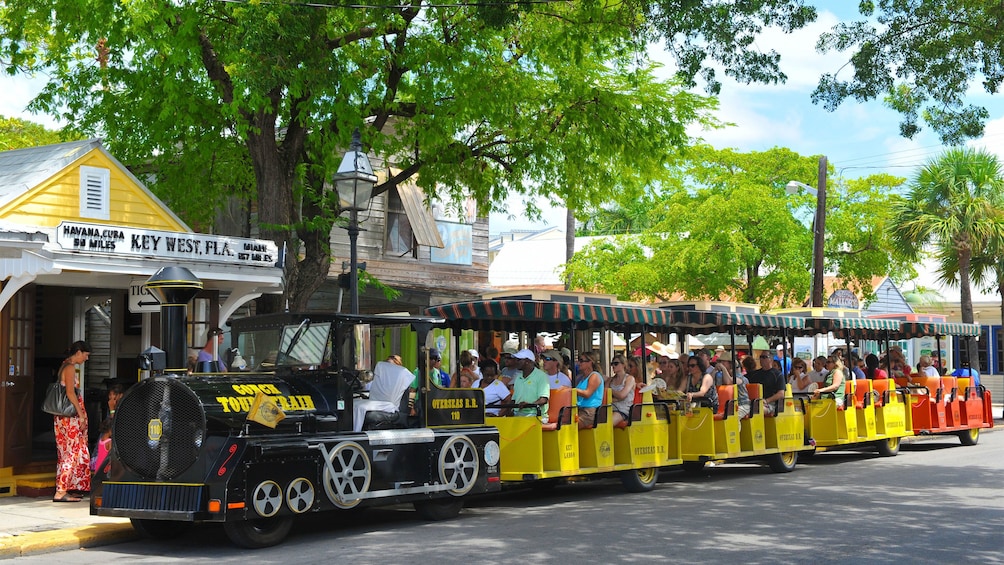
530	389
477	367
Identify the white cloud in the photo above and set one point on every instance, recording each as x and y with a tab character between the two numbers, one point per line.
993	138
18	92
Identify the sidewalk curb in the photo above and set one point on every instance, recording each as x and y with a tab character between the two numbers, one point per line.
35	543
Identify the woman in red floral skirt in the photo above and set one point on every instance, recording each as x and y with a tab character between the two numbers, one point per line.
73	468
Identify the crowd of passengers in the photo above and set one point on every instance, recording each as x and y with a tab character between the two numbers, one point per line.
518	382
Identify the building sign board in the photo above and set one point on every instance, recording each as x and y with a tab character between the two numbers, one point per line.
156	244
140	299
843	298
458	240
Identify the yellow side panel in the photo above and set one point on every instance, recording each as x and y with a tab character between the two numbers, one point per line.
57	199
521	444
751	434
698	434
596	445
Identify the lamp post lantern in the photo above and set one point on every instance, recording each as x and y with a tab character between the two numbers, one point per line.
818	232
354	182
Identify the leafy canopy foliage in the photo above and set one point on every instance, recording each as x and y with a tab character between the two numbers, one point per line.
725	229
921	56
16	133
258	100
955	207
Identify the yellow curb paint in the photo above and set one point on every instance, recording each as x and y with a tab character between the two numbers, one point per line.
63	540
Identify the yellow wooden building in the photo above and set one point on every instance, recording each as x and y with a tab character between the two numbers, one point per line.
79	234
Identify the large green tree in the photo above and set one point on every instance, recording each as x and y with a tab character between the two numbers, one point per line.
16	133
483	100
921	57
725	229
955	207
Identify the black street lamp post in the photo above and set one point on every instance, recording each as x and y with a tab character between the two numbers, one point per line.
354	182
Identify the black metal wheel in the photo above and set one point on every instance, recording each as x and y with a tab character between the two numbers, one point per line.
160	529
640	480
888	447
970	436
439	509
782	462
263	532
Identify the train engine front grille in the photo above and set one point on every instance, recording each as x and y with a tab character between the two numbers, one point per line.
153	497
159	428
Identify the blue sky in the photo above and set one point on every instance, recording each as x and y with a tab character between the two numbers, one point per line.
858	139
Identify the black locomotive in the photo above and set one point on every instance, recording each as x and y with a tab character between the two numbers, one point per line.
255	449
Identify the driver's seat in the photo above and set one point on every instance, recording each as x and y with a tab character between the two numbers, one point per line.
387	407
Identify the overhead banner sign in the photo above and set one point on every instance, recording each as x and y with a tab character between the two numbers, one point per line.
156	244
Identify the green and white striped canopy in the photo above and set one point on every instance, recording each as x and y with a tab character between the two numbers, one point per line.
560	316
920	329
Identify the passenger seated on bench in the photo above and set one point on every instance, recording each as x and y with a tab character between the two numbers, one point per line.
732	375
554	367
383	409
495	390
967	371
530	388
874	372
622	387
925	367
799	379
771	380
833	384
589	390
701	385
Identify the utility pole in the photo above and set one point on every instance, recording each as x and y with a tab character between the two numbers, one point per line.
819	236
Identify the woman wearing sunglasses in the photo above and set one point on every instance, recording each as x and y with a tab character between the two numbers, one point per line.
589	390
701	385
622	388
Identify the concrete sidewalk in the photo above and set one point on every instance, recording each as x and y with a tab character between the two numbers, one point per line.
30	526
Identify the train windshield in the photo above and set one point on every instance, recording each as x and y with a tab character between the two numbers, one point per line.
304	344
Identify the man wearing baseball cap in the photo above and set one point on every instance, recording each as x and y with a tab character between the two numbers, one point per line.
530	388
510	365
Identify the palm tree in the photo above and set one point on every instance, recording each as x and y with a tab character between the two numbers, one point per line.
955	204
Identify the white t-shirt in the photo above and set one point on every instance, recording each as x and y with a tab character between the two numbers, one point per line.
817	376
495	392
930	371
559	380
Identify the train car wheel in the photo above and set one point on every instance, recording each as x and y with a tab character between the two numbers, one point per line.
970	436
693	467
782	462
459	465
263	532
267	499
300	495
351	474
640	480
160	529
439	509
888	447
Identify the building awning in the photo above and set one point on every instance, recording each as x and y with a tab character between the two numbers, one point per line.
112	257
423	224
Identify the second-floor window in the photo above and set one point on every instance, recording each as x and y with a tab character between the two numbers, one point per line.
400	237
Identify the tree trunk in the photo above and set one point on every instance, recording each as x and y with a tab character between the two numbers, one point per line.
273	167
972	352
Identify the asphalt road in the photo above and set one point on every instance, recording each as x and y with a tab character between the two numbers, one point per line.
936	502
